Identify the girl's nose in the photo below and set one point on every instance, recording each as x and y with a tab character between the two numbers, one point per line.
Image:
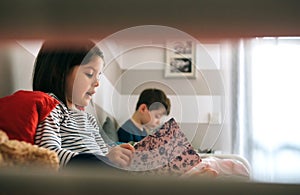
96	83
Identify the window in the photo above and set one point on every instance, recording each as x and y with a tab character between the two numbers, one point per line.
275	109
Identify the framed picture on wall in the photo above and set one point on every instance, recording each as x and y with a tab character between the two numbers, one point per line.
180	59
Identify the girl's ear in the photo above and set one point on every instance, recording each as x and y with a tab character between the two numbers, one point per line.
143	108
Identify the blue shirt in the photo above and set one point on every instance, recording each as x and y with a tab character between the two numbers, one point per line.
129	132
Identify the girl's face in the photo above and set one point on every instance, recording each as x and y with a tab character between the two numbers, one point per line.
156	116
82	81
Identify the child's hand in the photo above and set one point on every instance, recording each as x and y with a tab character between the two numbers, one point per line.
132	143
121	155
127	146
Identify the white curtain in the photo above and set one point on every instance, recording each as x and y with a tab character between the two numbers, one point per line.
266	106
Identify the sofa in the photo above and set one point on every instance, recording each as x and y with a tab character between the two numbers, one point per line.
41	179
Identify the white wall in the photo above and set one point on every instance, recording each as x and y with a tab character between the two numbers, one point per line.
17	65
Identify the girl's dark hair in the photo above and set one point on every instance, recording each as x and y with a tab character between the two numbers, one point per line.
54	62
154	99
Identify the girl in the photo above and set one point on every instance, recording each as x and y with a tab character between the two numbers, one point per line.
70	73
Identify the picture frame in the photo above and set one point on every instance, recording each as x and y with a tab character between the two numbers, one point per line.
180	59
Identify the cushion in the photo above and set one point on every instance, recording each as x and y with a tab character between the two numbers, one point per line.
21	112
15	154
110	129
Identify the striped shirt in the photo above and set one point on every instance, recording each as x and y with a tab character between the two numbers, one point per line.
69	132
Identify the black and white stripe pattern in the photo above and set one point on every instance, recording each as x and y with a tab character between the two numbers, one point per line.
69	132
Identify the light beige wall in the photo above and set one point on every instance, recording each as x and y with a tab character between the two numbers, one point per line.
16	66
6	80
208	82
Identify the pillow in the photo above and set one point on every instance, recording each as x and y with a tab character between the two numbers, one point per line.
110	129
21	112
19	154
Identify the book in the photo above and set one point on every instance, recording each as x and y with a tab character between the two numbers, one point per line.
165	152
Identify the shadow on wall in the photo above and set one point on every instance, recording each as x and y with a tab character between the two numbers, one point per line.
16	66
6	73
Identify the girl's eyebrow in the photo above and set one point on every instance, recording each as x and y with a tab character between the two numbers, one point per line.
90	67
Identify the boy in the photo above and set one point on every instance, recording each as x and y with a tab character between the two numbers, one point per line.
151	106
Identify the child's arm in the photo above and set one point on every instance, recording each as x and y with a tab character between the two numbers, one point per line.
48	136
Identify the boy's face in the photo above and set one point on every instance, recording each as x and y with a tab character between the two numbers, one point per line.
82	82
156	116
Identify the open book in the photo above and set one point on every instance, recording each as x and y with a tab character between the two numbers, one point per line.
166	152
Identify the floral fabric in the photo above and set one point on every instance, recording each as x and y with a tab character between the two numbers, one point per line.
166	152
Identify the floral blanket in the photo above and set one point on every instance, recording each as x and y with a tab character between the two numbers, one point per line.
220	168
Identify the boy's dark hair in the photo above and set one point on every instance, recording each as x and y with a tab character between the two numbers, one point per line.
154	99
54	62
